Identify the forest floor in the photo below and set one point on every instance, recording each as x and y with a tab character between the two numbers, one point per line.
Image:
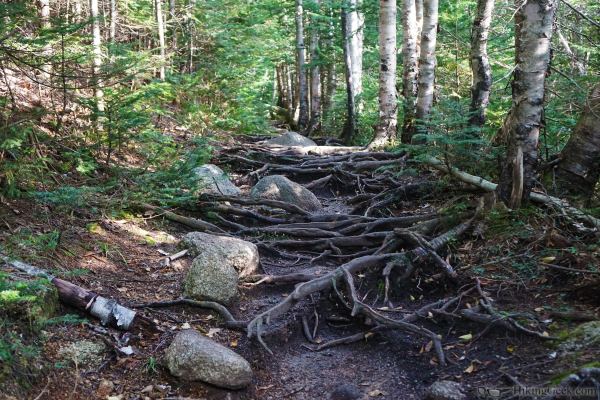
122	256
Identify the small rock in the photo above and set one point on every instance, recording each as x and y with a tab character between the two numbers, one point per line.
278	187
84	353
242	255
445	390
210	278
148	389
291	139
345	392
104	388
212	180
194	357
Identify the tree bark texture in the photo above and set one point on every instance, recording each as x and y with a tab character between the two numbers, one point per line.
533	33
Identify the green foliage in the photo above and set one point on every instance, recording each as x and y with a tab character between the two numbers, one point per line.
175	184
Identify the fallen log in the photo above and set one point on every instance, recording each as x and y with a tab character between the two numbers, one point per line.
108	311
540	198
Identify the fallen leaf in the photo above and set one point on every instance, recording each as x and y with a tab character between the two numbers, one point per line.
376	393
466	337
233	343
213	331
510	348
186	326
548	260
470	369
428	346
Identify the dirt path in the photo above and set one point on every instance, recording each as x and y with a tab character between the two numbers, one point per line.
371	201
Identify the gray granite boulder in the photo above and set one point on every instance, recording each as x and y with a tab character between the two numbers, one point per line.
212	180
240	254
291	139
445	390
278	187
211	278
194	357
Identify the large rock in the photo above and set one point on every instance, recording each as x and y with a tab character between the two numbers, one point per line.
278	187
210	277
194	357
212	180
241	255
291	139
445	390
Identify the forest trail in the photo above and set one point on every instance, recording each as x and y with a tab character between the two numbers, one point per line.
399	316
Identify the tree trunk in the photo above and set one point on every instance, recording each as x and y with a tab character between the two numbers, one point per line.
356	21
388	104
303	117
161	37
579	169
410	61
172	25
77	11
114	15
419	10
353	35
191	31
44	10
533	32
350	126
97	62
329	83
427	60
480	64
315	77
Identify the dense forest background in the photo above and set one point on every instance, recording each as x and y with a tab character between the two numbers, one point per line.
219	62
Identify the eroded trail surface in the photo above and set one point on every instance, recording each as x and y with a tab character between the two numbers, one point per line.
362	291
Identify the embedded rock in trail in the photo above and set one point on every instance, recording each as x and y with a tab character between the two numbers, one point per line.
84	353
194	357
583	337
445	390
240	254
291	139
212	180
278	187
211	277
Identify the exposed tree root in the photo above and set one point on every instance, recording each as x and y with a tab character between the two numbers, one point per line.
229	320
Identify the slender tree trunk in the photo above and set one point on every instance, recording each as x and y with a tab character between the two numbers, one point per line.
480	64
191	32
329	83
388	102
419	10
303	117
172	25
315	77
356	21
161	37
77	11
44	10
350	126
410	60
427	60
579	169
114	16
97	62
533	32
